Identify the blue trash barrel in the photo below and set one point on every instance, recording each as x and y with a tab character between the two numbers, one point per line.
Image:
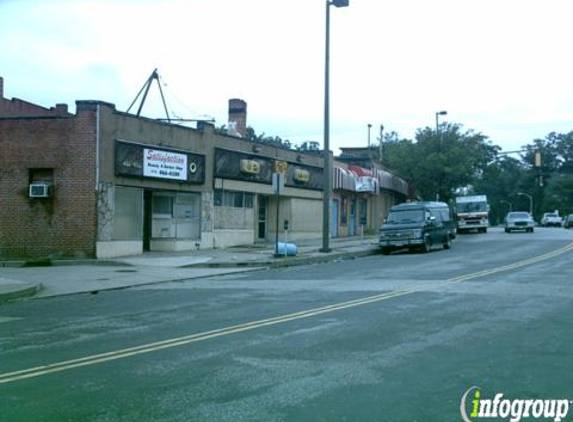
291	249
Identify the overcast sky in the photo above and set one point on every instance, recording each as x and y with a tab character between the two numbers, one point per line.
499	67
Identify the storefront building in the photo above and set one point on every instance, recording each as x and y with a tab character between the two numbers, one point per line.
103	183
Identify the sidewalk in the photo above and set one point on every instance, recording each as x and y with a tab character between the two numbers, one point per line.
19	279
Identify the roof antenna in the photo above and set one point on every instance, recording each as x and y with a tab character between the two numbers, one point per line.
146	86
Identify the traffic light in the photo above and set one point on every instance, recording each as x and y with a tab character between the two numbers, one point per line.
537	159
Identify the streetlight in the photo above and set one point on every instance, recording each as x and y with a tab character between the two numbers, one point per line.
439	113
530	201
327	170
381	140
508	203
439	139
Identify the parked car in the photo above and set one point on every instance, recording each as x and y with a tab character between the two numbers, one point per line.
519	220
551	219
568	221
417	225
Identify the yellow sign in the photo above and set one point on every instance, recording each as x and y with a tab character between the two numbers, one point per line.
301	176
281	167
250	167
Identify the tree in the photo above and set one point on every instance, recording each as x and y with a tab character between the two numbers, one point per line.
436	165
309	147
501	181
550	185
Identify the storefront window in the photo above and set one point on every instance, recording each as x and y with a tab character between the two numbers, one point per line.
225	198
162	206
187	213
128	219
176	215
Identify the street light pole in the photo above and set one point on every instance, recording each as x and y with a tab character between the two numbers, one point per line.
530	202
327	168
439	139
508	203
381	140
439	113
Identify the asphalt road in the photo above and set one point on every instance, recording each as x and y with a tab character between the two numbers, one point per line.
384	338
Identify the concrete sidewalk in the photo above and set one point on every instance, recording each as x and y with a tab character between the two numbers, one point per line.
20	279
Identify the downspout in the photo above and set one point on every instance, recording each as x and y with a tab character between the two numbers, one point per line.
97	135
97	170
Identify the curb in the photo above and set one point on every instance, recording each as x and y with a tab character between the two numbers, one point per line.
29	290
149	283
62	263
288	262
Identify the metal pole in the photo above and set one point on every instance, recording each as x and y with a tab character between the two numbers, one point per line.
440	149
326	179
381	141
277	228
286	242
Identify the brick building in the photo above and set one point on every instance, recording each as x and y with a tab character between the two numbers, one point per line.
115	184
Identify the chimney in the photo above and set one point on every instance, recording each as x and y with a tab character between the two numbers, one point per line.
237	117
1	87
61	109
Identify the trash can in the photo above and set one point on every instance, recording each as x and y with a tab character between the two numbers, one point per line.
291	249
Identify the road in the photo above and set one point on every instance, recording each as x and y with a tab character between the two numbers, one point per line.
384	338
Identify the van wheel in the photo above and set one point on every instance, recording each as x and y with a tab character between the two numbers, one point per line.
447	242
427	245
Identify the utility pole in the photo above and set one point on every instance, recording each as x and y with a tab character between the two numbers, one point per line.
380	142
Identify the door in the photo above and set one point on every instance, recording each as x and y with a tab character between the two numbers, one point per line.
334	218
262	212
352	225
147	219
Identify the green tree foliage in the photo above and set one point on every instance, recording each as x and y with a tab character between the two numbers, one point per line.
501	180
550	184
437	164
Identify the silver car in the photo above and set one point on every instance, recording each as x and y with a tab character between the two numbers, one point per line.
519	220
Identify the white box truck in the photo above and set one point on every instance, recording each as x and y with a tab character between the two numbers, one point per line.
473	213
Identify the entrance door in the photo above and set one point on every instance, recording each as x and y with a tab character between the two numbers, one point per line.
352	225
334	218
262	217
147	219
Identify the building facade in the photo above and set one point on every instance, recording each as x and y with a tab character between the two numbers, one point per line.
103	183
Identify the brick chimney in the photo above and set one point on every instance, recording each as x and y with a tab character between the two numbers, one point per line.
237	117
1	87
61	109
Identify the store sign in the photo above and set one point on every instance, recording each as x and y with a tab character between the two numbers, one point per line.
236	165
164	164
281	167
301	176
366	184
135	160
250	167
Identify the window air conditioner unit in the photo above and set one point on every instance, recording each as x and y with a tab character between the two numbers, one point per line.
40	190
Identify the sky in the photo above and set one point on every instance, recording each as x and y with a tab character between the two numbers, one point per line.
499	67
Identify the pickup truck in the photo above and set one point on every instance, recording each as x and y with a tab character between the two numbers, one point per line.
551	219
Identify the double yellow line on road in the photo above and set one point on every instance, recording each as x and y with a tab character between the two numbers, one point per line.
513	266
194	338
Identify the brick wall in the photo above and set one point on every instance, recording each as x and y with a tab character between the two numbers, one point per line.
64	224
20	108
